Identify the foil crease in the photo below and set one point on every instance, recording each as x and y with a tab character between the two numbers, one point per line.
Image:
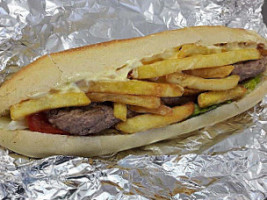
225	161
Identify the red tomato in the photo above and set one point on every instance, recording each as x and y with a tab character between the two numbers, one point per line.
38	122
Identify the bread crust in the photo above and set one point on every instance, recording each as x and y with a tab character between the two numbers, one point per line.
39	145
96	61
93	62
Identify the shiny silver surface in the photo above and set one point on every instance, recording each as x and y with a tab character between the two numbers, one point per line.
226	161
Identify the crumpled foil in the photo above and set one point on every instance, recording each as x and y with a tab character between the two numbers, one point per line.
225	161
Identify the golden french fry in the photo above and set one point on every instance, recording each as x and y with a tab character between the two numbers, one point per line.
144	101
190	91
136	88
215	97
195	82
182	52
216	72
153	59
120	111
169	54
193	49
149	121
194	62
50	101
161	110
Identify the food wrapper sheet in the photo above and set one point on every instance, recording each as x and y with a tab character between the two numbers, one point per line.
225	161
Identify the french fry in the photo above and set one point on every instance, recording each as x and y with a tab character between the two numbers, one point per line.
215	97
136	88
185	51
161	110
50	101
190	91
194	62
120	111
149	121
216	72
198	83
153	59
193	49
144	101
169	54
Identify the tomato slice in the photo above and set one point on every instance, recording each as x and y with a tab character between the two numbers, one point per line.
38	122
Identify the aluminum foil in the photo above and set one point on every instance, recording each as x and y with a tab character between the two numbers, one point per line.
225	161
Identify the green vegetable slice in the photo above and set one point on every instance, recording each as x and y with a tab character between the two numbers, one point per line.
252	83
199	111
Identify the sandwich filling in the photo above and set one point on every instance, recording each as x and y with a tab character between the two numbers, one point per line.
164	90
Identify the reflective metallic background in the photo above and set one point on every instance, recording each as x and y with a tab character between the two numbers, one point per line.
226	161
264	11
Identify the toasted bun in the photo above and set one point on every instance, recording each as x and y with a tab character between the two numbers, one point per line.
38	145
98	62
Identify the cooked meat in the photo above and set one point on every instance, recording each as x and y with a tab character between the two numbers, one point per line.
250	69
175	101
83	120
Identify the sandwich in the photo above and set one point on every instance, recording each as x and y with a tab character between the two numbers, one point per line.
109	97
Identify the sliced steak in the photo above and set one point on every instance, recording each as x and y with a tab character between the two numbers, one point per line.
176	101
250	69
83	120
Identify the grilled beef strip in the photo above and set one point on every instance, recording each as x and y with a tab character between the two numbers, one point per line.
250	69
83	120
86	120
175	101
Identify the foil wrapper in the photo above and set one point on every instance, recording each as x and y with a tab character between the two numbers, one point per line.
225	161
